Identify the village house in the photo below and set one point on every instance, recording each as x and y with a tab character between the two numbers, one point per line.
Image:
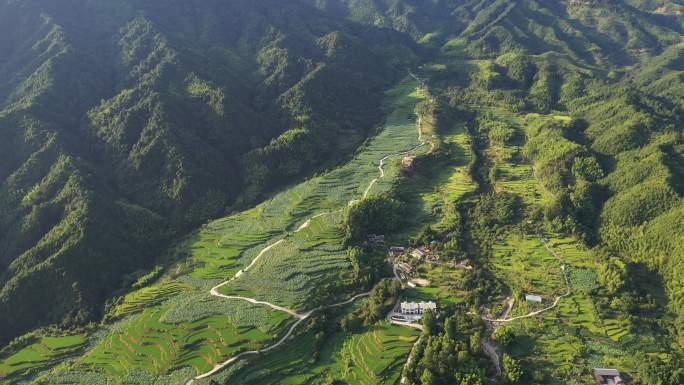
417	308
608	377
406	268
396	251
533	298
433	258
419	253
463	265
374	240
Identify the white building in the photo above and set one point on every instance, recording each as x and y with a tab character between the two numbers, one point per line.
533	298
417	307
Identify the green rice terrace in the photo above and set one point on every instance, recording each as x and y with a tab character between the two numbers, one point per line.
374	356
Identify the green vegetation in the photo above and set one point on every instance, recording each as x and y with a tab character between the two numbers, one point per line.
171	323
533	147
309	266
148	343
373	355
43	353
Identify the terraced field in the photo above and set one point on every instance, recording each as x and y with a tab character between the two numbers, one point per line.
433	192
42	353
374	356
512	173
525	265
291	274
137	301
444	284
171	329
566	342
147	342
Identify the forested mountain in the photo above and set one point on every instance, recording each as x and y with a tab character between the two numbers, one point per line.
126	123
617	66
548	131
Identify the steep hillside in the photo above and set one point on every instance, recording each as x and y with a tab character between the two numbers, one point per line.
125	124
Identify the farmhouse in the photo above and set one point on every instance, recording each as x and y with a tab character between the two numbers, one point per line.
419	253
533	298
396	251
607	377
417	307
374	240
406	268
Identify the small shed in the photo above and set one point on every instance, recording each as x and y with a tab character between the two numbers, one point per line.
420	282
533	298
607	377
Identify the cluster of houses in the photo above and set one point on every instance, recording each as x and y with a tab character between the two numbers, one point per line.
424	254
407	267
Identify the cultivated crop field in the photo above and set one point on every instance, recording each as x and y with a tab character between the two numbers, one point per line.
146	342
444	284
290	273
525	265
511	172
434	193
373	356
43	353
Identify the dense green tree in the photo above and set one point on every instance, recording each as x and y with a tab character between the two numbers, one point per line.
377	214
430	323
512	368
427	378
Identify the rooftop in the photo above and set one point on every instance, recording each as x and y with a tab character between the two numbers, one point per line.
605	376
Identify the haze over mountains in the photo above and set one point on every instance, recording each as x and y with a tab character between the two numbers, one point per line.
126	124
